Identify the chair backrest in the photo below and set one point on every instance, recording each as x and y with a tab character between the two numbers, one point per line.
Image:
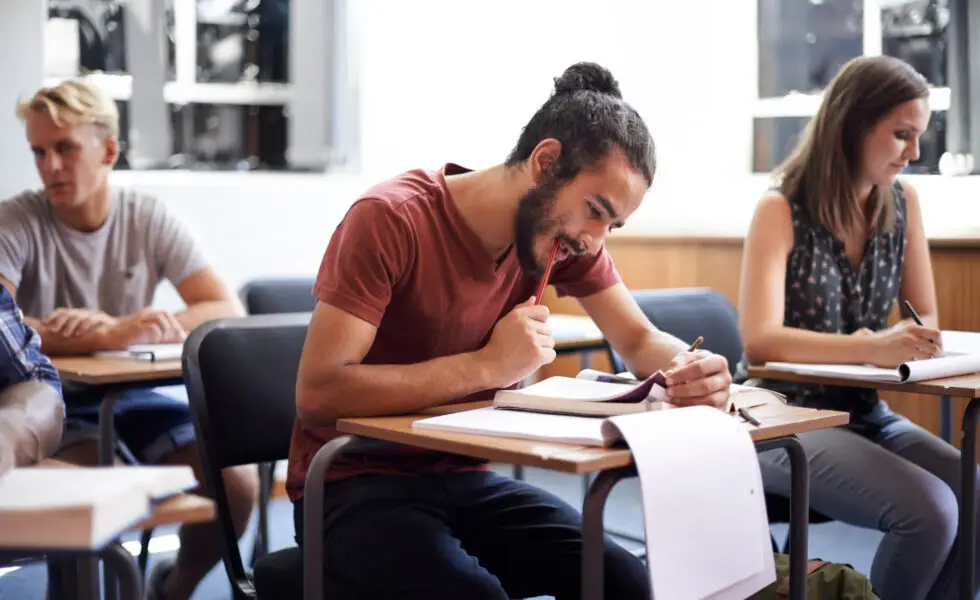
278	295
241	382
688	313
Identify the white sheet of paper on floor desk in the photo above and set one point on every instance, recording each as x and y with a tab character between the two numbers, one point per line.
703	508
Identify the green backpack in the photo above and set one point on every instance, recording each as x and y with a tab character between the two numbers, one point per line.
824	581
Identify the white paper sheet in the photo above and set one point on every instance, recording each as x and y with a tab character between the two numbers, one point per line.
961	342
704	512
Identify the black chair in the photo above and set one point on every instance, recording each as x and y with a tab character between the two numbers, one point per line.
241	380
276	295
691	312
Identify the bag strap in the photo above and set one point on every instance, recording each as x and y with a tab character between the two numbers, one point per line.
811	566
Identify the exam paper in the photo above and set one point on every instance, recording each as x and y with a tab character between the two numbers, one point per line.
704	511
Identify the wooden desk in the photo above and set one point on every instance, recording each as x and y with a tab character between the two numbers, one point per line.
181	509
575	333
963	386
118	374
777	421
77	572
780	424
94	370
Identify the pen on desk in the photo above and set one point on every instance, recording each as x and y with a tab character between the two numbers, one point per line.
745	414
547	272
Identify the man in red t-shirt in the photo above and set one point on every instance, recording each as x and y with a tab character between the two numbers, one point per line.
425	298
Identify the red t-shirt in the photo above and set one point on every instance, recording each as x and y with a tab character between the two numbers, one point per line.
404	260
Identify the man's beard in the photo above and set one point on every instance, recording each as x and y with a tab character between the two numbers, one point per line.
533	219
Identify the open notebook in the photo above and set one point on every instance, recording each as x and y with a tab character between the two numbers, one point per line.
949	365
961	356
147	352
81	507
588	394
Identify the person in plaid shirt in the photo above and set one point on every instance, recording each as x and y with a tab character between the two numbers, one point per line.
32	411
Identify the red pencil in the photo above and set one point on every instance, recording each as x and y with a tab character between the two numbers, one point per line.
547	273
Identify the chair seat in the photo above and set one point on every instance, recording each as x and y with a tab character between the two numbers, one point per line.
279	575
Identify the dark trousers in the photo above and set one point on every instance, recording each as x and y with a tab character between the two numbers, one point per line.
474	535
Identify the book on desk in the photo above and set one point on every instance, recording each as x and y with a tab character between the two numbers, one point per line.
557	409
81	507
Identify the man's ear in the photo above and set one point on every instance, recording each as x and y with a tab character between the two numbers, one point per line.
111	151
543	159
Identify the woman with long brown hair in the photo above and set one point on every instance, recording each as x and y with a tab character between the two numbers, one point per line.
831	249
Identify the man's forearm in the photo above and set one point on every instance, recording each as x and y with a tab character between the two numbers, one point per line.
202	312
32	417
57	344
653	352
376	390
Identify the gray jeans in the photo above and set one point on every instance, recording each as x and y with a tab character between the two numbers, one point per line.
888	474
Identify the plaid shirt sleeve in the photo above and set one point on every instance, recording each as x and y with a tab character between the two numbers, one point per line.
21	358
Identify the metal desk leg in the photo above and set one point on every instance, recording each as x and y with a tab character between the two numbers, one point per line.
121	564
87	569
946	419
107	432
968	499
266	477
799	505
519	472
593	543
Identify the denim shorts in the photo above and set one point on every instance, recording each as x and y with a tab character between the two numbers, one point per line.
150	422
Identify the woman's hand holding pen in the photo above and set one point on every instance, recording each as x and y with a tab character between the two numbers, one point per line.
519	345
901	343
699	377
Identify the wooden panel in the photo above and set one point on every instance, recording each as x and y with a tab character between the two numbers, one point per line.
716	263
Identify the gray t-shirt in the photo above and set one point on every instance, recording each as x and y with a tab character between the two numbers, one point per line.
115	269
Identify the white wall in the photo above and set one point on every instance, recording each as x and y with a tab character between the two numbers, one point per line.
22	57
442	80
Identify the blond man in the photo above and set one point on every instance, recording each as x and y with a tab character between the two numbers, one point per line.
84	261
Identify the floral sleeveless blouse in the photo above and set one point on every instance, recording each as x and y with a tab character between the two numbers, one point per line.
825	293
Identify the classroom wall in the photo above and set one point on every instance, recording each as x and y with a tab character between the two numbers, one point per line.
441	81
21	44
447	81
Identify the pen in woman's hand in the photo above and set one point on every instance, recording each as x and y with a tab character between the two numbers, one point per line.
914	315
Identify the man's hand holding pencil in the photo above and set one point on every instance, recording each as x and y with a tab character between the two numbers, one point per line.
698	377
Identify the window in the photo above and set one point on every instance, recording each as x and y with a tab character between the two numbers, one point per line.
803	43
214	76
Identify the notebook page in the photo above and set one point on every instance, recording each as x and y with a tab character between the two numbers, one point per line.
157	351
525	425
961	342
570	388
706	535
